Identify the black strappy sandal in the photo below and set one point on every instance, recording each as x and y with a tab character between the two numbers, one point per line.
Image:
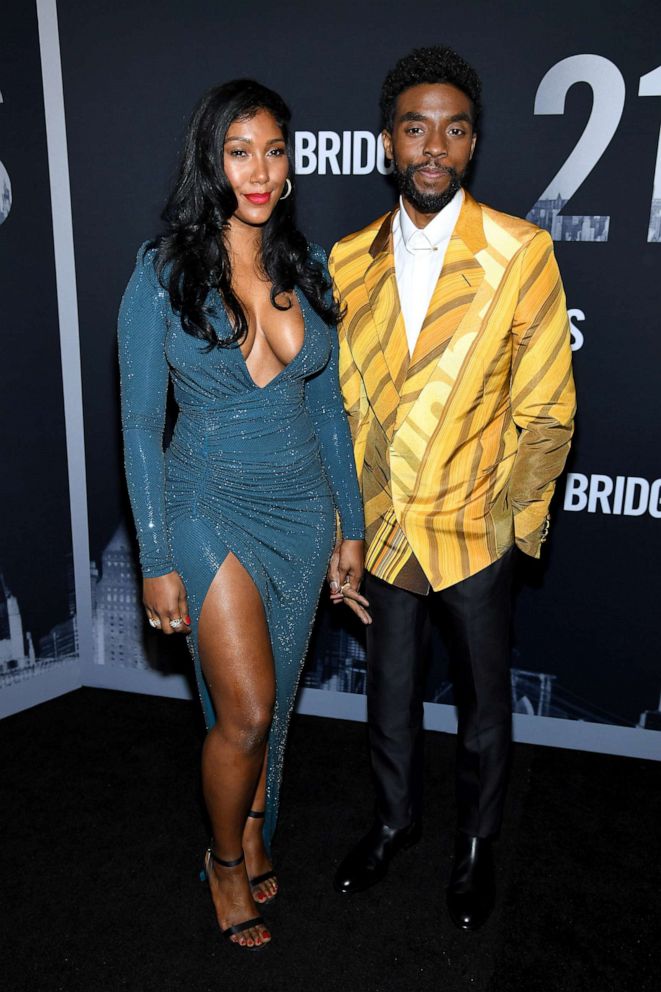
265	876
229	932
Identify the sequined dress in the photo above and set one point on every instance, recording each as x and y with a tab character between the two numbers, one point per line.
256	471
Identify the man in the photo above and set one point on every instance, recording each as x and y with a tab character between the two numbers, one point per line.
455	366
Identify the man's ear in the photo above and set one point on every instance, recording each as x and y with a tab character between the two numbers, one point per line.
473	143
386	138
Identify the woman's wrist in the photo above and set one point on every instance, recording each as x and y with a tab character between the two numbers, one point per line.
157	572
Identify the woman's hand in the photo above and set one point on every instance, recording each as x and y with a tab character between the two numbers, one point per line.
345	573
165	601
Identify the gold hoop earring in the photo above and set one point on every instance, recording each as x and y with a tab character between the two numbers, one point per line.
289	188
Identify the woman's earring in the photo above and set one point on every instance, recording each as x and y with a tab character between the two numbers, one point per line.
289	188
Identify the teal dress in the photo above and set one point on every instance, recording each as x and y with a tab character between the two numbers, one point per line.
255	471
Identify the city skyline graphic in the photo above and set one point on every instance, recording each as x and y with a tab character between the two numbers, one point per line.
336	661
19	659
548	215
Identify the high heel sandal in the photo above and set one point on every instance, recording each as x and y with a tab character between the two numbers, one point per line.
265	876
238	928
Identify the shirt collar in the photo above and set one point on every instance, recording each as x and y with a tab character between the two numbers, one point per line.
438	230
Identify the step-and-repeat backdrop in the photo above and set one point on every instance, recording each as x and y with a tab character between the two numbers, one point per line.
38	627
571	138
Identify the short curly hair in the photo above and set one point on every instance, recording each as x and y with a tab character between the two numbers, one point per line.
436	64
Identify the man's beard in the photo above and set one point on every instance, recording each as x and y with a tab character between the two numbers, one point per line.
426	203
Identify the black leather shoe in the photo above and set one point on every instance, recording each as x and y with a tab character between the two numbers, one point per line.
368	862
471	892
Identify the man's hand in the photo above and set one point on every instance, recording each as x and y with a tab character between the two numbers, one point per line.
164	600
345	573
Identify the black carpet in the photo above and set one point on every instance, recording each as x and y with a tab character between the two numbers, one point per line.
103	832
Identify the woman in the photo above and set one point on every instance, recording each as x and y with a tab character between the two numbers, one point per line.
236	521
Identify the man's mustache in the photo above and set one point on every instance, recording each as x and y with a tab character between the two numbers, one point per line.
434	165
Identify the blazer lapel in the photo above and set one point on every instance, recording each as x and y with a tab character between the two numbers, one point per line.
452	301
381	285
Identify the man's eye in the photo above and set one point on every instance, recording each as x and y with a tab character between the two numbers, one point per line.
413	130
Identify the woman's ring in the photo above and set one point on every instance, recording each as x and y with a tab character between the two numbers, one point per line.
175	622
153	622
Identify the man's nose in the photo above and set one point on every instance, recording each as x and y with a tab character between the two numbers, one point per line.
436	145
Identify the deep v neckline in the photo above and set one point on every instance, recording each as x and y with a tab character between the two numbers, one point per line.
285	368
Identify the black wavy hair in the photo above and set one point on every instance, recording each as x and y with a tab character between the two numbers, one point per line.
436	64
192	259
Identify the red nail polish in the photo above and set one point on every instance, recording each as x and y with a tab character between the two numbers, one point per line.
187	620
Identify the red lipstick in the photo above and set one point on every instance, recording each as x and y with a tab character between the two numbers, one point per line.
258	197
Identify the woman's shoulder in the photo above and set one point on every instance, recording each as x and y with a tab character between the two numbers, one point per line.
146	257
317	253
144	286
146	270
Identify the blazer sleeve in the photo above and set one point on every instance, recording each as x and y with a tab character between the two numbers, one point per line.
543	398
144	375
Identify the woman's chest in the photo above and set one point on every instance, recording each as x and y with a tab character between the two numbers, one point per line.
301	350
275	325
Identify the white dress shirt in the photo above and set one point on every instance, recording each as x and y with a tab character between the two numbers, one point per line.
419	254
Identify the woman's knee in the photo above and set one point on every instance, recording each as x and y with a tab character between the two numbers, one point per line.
247	727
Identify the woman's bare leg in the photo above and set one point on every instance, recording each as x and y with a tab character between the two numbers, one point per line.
237	662
257	860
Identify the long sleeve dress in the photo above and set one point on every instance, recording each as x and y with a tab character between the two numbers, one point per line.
255	471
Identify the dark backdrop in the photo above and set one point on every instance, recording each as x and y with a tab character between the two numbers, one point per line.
132	72
35	527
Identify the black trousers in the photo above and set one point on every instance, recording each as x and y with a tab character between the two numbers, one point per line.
475	617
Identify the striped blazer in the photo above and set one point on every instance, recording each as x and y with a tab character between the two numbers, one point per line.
457	446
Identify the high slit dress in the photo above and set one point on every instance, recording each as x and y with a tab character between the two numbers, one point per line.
258	472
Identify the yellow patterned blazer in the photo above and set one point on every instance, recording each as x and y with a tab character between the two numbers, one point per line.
459	445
